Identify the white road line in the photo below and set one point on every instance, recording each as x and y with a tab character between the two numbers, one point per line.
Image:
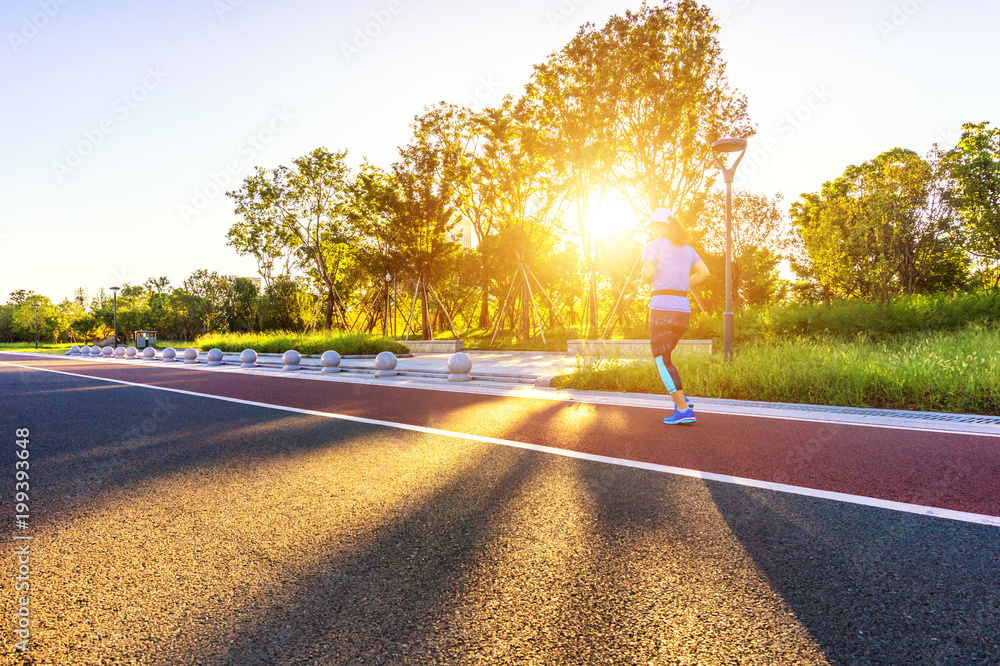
981	519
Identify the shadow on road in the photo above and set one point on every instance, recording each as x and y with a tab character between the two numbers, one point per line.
873	585
395	593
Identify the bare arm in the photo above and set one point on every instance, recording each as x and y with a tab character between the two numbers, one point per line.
648	269
701	273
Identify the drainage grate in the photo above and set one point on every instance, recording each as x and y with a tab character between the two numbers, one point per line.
891	413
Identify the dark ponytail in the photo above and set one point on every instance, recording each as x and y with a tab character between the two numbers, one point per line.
675	233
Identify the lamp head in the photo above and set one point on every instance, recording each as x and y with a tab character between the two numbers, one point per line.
729	145
726	146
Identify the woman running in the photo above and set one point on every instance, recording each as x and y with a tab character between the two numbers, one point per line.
666	265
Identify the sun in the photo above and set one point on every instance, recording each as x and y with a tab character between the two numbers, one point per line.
611	217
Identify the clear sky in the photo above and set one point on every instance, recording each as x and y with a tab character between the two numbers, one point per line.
121	123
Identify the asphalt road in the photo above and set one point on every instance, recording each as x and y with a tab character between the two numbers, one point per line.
178	529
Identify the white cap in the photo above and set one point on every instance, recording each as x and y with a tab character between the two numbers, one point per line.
661	215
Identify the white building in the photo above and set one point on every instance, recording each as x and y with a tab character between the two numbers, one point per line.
464	233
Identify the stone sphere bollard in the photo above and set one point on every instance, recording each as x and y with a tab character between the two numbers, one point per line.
459	367
169	355
119	352
331	362
74	350
248	358
130	353
190	355
95	351
291	360
215	357
149	354
108	351
85	350
385	365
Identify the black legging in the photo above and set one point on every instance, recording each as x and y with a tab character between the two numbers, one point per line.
666	327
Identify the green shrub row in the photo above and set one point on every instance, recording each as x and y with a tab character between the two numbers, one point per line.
851	319
345	344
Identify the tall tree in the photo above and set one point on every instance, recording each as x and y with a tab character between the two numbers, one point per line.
532	200
879	230
382	245
760	239
301	208
477	188
574	97
426	174
637	104
973	168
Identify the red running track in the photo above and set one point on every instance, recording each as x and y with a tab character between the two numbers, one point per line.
960	472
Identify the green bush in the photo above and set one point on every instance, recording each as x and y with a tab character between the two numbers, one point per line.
279	342
846	320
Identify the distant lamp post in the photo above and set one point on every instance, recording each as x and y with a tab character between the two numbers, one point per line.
36	324
729	145
385	322
114	343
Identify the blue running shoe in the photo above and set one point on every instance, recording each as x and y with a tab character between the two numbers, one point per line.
678	417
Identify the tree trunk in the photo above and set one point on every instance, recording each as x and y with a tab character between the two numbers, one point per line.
525	321
329	307
484	311
340	314
592	298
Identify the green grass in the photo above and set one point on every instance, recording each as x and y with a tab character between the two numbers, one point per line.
952	371
58	348
343	343
63	347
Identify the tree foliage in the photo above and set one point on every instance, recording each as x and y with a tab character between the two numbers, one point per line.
880	230
297	209
973	168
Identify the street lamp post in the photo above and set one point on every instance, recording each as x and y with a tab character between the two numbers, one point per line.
729	145
36	324
114	342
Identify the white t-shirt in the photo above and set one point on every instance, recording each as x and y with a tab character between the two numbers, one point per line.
673	269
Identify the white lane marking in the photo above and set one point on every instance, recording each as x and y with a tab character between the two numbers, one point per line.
589	397
981	519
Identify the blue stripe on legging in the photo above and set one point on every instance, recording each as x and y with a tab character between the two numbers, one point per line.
668	381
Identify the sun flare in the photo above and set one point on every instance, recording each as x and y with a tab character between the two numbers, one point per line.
610	217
